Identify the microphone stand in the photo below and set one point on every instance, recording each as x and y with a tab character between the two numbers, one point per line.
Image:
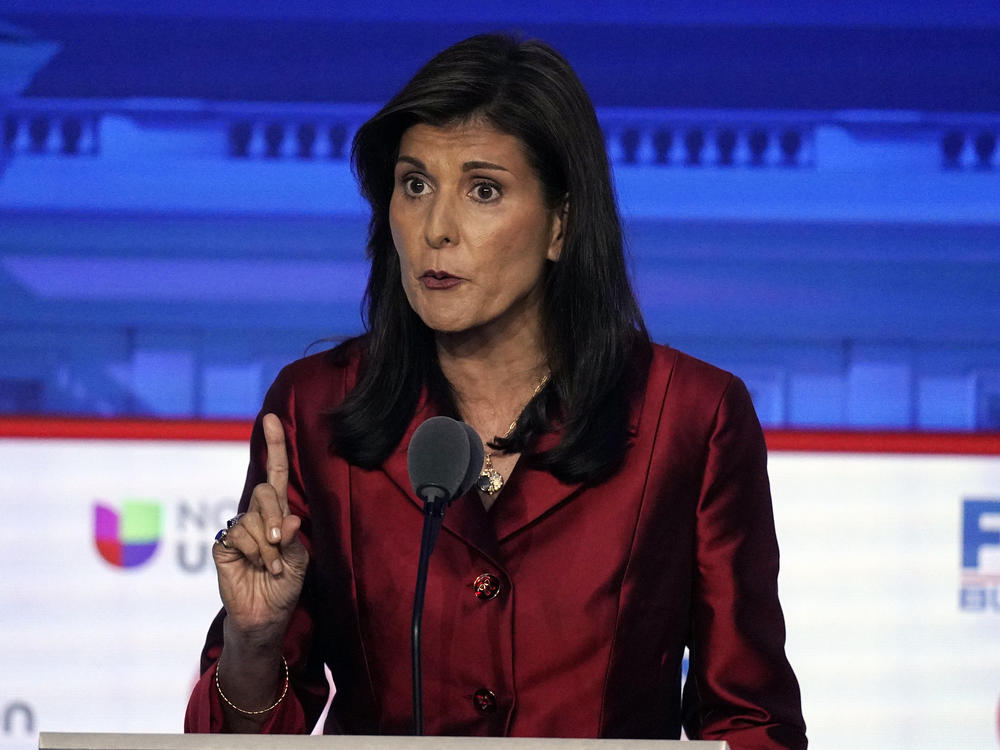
435	503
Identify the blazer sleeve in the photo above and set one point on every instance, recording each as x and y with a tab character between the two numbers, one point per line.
740	686
308	688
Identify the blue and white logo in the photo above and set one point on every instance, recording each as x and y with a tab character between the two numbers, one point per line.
980	590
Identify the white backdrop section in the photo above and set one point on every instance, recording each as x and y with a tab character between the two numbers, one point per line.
86	645
871	584
871	563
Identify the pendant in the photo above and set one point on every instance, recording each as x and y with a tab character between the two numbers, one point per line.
490	480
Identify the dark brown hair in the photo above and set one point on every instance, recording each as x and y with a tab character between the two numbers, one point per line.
592	325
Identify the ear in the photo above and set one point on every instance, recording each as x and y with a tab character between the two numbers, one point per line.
559	217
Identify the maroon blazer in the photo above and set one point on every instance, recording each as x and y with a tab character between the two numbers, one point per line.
600	588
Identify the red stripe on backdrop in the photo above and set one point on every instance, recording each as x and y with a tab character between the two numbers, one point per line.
124	429
878	441
820	441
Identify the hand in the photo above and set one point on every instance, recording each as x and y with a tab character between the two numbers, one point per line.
262	570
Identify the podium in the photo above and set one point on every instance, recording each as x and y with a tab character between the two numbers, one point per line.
104	741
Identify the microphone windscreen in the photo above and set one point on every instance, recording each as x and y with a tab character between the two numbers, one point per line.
438	456
476	453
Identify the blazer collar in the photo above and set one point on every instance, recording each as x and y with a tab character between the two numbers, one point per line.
465	518
528	495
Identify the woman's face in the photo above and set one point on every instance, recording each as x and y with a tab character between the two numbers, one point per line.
471	227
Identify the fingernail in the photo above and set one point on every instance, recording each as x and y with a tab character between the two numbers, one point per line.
275	533
276	567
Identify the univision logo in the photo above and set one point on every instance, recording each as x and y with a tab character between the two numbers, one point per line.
127	538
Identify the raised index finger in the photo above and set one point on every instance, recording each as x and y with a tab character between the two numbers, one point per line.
277	459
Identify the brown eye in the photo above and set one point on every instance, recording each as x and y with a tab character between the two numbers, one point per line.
486	192
414	185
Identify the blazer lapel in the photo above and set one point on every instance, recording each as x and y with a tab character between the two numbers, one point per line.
531	493
528	495
465	518
468	520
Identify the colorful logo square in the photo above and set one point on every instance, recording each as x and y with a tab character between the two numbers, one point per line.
129	537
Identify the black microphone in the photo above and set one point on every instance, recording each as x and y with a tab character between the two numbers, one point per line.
444	459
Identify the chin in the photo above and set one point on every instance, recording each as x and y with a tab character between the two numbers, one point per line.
447	328
444	323
451	326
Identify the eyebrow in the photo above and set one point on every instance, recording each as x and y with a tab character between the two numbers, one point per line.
469	165
466	166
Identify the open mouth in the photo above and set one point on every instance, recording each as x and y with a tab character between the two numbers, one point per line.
439	279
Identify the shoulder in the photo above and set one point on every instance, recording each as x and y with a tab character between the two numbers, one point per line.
686	376
319	380
693	399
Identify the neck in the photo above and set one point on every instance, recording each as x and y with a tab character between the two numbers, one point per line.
493	376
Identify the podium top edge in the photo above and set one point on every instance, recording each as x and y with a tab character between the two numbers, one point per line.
115	741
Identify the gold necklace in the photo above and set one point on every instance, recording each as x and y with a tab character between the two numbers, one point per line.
490	480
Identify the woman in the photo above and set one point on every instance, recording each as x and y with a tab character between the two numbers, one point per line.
623	511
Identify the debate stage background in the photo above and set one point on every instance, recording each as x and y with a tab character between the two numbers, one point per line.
890	550
811	193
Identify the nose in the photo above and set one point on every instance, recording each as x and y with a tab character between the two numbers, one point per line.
441	226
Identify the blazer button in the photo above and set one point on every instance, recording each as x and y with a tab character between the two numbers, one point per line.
485	701
486	586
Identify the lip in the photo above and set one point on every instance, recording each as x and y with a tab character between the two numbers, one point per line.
439	280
